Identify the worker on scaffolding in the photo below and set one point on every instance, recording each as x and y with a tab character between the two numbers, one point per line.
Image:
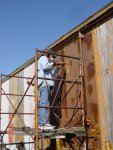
45	65
59	75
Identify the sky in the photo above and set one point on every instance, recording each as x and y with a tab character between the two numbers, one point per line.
29	24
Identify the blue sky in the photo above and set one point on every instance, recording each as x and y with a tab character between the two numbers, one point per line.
29	24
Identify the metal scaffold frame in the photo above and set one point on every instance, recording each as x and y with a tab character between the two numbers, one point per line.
80	80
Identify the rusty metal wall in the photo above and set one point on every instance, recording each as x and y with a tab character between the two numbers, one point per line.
74	97
72	73
91	91
98	70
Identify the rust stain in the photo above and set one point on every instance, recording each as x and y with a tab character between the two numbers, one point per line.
87	41
73	100
94	108
90	89
94	112
90	71
92	57
78	46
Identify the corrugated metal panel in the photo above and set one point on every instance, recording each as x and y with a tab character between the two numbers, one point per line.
72	73
103	51
73	49
16	86
89	68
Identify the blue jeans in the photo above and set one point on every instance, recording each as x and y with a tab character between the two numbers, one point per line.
43	113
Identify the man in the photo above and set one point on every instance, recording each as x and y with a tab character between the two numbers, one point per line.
45	65
45	70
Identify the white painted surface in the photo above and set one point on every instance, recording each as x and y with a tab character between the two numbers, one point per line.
5	108
29	104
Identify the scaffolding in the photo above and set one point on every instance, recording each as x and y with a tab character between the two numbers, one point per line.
79	131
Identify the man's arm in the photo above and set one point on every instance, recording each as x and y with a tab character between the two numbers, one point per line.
45	64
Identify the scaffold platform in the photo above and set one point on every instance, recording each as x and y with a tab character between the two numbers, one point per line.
74	131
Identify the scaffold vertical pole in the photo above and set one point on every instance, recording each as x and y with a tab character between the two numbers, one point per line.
83	91
82	75
36	99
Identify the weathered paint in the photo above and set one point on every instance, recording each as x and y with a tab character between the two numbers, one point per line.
72	73
29	103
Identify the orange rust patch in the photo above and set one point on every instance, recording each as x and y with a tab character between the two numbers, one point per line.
90	71
87	41
72	100
94	112
90	89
